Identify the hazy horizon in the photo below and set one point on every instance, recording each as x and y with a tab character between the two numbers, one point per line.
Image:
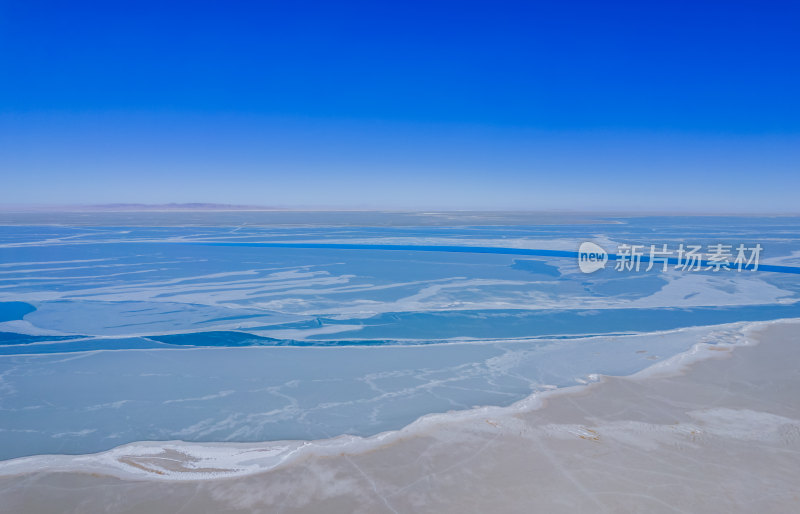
219	207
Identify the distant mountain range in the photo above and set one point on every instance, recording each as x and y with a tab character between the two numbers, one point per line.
139	207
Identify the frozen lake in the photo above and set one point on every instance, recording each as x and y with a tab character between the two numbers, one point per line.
116	328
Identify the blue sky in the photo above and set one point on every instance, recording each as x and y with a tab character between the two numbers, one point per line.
667	106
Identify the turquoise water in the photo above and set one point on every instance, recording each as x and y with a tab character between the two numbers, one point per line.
259	326
14	310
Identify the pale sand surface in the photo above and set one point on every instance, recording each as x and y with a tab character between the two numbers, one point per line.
724	436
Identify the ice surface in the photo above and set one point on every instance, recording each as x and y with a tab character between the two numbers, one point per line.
112	334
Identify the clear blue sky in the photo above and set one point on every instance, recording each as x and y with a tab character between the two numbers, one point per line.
680	106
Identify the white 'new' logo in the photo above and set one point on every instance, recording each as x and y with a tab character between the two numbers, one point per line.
591	257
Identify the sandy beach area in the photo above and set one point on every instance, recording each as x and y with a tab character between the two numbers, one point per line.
717	430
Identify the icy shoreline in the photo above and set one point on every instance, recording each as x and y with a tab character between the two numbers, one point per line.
186	461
